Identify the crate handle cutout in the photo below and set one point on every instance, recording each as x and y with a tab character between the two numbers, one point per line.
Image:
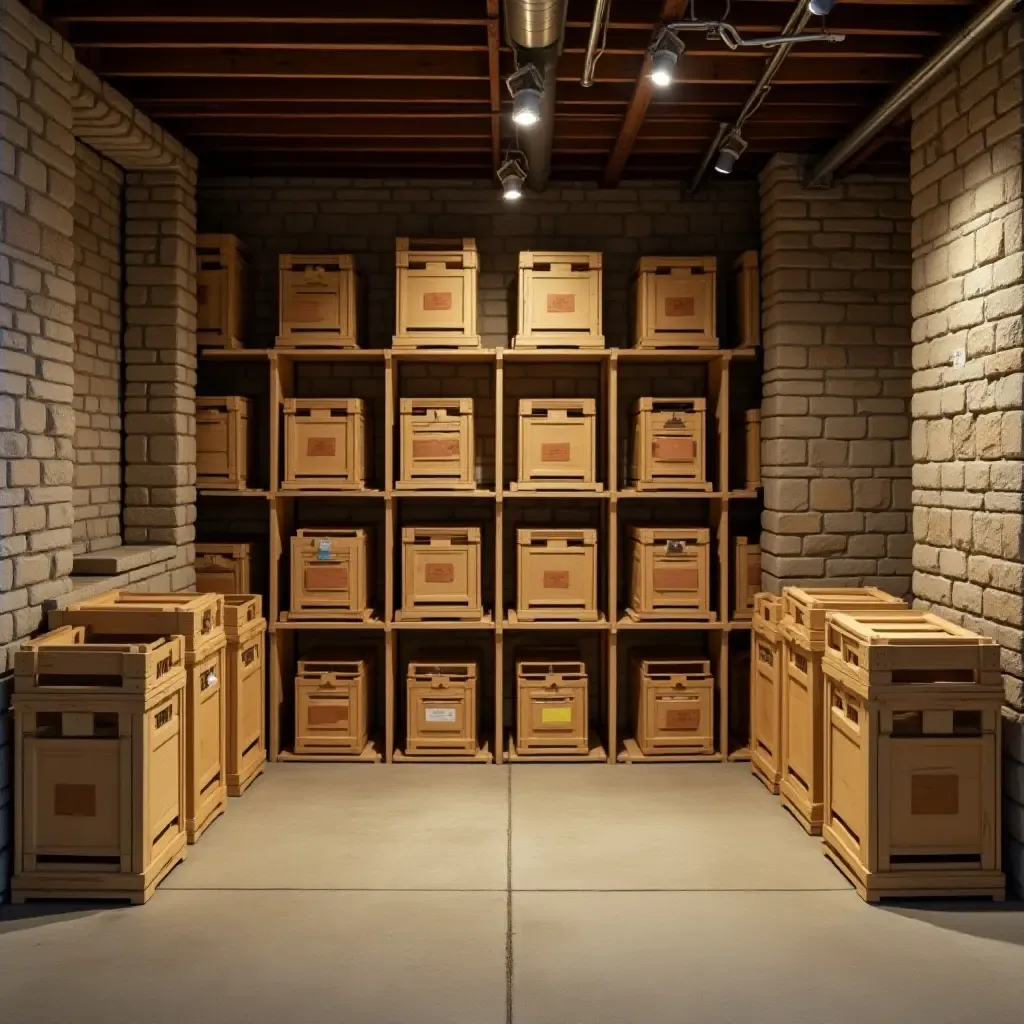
675	547
765	655
163	717
70	681
909	676
249	655
967	723
209	679
800	661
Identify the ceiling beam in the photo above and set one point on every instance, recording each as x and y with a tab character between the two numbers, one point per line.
494	80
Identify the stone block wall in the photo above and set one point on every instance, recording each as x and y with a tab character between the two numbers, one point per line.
835	422
968	382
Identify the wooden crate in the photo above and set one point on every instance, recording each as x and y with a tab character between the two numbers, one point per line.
436	286
803	690
437	444
674	299
747	572
71	660
557	575
912	757
223	568
329	575
670	574
205	737
766	691
324	444
241	613
748	300
674	706
559	301
557	444
199	618
752	439
99	792
441	573
551	707
220	291
441	707
245	658
332	702
317	301
222	443
669	442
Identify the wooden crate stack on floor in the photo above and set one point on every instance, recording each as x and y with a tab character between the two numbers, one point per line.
766	691
245	629
224	568
912	756
99	747
199	618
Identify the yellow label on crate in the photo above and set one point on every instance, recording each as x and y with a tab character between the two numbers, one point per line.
553	715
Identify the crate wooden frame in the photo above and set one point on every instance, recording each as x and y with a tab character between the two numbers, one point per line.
332	428
752	425
451	545
324	276
556	575
436	275
245	699
660	681
550	432
221	274
437	450
682	288
222	431
453	682
747	273
766	691
336	680
578	275
348	556
746	564
669	440
224	568
645	605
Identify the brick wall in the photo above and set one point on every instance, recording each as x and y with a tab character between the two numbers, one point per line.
968	402
835	416
97	383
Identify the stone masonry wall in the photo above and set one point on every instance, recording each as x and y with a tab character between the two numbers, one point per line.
97	387
968	402
835	425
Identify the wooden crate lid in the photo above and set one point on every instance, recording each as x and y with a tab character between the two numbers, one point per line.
444	667
538	406
328	262
441	535
222	403
905	629
654	264
329	533
529	259
805	608
353	406
663	534
236	552
410	406
768	608
695	669
525	537
461	251
650	404
344	661
533	669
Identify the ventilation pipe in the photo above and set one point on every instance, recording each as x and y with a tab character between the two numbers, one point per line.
535	29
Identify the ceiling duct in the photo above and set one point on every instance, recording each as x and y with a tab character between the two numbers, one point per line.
535	29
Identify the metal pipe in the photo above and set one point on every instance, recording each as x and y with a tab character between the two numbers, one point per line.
723	130
590	57
971	34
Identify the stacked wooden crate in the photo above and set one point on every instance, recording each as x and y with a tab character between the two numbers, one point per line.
329	575
220	291
442	706
222	443
224	568
559	301
766	669
245	630
100	756
674	705
441	574
436	294
317	301
332	703
551	707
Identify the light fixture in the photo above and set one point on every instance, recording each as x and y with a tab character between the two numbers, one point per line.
821	7
730	151
527	88
512	175
665	50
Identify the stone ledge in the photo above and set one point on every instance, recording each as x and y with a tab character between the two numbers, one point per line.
122	559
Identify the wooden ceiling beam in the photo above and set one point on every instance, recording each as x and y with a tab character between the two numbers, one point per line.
494	80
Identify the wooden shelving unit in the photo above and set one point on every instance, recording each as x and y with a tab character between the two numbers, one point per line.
498	509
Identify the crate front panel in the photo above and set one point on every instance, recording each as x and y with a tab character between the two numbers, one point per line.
329	570
441	715
557	444
557	573
332	711
560	297
441	575
208	730
552	713
246	687
317	299
326	444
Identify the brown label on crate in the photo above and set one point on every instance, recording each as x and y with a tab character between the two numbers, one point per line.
561	302
935	794
308	309
74	800
560	451
321	447
439	572
674	449
679	305
327	714
556	579
435	448
683	719
326	577
675	579
434	302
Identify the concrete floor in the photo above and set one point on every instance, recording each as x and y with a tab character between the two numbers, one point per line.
537	894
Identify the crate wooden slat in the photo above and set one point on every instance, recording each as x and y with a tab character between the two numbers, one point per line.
441	707
747	573
332	700
241	613
205	737
752	440
223	568
245	659
436	293
220	291
559	301
673	705
324	444
557	444
748	299
551	705
912	757
222	443
441	572
669	443
669	574
766	691
317	301
329	575
557	575
437	444
674	300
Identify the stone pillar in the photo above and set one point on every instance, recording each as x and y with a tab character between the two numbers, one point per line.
160	359
835	420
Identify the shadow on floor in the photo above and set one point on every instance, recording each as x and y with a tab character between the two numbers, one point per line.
982	919
39	914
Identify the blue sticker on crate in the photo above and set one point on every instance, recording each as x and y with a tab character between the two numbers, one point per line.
323	550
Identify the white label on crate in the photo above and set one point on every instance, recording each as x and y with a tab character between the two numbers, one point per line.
439	714
323	550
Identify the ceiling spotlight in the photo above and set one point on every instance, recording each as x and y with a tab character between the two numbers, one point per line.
527	88
512	175
730	151
665	50
821	7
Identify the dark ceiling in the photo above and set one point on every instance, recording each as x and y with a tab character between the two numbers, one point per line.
409	88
